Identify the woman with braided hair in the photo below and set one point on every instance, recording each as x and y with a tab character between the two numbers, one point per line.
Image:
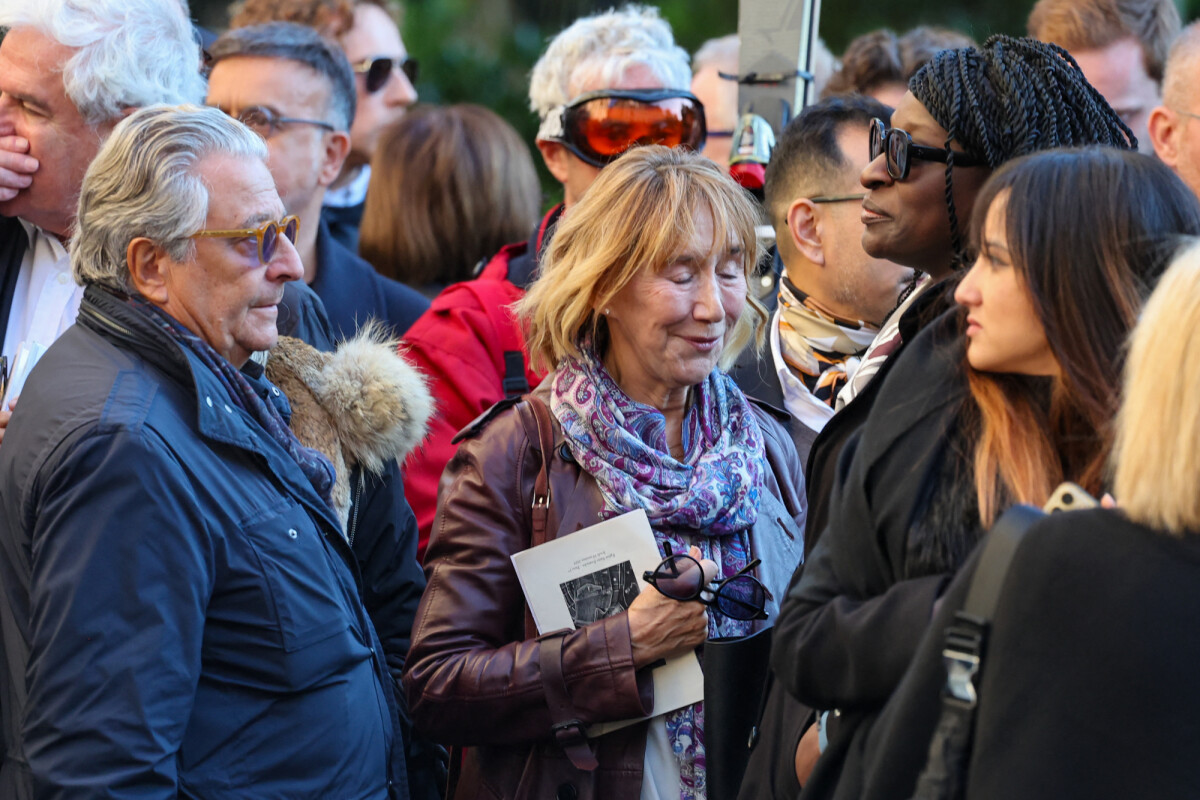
967	112
899	508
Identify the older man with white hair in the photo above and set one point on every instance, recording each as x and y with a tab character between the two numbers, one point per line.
179	608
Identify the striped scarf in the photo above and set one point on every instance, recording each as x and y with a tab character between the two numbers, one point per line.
820	348
885	343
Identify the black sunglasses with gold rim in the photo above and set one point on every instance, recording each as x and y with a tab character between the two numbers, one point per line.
739	596
379	70
898	145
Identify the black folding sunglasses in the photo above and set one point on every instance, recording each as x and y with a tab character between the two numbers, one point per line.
898	145
740	596
379	71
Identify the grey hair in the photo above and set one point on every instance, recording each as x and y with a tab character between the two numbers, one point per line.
129	53
300	44
603	47
144	182
721	53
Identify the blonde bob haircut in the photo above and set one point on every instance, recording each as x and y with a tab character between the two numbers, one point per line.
638	215
1156	456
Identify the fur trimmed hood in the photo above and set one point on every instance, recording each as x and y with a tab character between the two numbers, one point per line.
361	405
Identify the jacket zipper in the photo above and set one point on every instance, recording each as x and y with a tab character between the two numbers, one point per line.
96	316
358	490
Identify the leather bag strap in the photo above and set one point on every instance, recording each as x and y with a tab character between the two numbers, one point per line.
540	508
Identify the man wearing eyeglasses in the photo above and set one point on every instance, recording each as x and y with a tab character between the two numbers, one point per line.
605	83
49	134
180	608
1175	125
384	82
832	295
296	90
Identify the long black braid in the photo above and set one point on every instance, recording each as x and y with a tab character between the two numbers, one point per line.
1011	97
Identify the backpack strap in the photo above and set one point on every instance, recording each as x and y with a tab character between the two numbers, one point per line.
945	773
495	297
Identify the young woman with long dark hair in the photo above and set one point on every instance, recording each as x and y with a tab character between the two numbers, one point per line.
1092	636
994	403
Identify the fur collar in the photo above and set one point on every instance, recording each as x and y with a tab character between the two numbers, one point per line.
361	405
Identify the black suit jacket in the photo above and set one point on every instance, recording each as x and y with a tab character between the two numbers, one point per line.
354	292
13	245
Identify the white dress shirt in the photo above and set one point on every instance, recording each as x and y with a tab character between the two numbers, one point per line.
797	399
46	300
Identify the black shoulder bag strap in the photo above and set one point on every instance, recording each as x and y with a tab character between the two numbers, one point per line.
945	773
569	731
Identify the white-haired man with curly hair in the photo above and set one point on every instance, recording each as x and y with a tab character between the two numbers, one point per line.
605	83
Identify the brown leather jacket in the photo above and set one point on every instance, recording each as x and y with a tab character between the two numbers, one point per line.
474	676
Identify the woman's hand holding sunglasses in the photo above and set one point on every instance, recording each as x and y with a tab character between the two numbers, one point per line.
662	627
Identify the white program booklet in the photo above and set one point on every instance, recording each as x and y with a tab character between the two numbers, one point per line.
595	573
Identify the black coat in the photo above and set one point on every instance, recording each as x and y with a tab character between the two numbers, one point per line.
354	292
13	244
822	467
850	625
1089	681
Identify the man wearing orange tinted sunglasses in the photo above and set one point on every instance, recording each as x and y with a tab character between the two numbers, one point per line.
605	83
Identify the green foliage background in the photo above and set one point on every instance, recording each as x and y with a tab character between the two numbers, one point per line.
481	51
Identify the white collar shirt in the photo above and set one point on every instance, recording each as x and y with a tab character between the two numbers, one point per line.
46	299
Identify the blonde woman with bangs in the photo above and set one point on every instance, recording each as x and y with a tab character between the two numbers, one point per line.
643	300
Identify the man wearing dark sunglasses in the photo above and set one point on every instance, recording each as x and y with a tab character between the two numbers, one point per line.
604	84
296	90
384	77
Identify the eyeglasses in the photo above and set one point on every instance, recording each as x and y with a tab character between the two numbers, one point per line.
836	198
267	235
740	596
379	70
266	121
600	126
899	147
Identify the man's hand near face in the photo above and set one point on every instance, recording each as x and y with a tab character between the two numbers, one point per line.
16	173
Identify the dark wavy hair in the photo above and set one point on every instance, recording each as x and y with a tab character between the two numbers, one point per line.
1010	98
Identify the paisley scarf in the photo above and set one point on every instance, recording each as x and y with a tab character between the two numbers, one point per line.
706	499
